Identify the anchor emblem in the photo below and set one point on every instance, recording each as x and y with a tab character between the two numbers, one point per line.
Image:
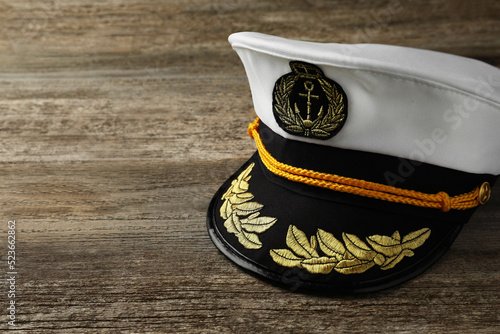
309	86
308	104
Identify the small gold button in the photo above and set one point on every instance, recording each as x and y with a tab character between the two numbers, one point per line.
484	193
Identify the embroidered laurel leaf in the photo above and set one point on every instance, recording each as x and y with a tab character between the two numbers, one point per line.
297	241
241	198
241	187
354	266
416	239
287	120
357	247
279	109
296	109
338	118
258	225
280	96
232	224
327	88
326	120
226	210
392	246
286	85
293	116
247	208
327	128
241	184
295	128
285	257
284	116
319	265
339	105
333	123
249	240
282	86
229	191
330	245
385	245
254	215
339	111
282	107
281	112
392	261
320	133
339	99
320	116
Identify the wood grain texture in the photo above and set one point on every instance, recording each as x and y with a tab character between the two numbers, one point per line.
120	119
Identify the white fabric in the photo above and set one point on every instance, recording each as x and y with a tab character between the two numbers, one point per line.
415	104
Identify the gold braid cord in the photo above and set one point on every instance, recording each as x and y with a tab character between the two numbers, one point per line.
440	200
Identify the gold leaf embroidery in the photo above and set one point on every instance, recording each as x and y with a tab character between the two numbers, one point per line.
417	238
233	224
226	210
357	247
241	215
330	245
248	208
257	224
313	242
241	198
390	246
392	261
249	240
298	242
385	245
319	265
354	257
286	258
353	266
242	218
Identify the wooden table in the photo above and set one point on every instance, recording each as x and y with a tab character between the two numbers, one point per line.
120	119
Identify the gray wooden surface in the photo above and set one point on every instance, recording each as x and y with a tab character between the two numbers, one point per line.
120	119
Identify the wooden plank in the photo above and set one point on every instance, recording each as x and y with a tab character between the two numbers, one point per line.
120	119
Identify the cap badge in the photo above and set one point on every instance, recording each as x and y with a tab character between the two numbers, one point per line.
308	104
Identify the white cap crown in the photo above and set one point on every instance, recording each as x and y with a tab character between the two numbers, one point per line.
415	104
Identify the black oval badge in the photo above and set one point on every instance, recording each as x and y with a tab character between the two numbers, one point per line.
308	104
